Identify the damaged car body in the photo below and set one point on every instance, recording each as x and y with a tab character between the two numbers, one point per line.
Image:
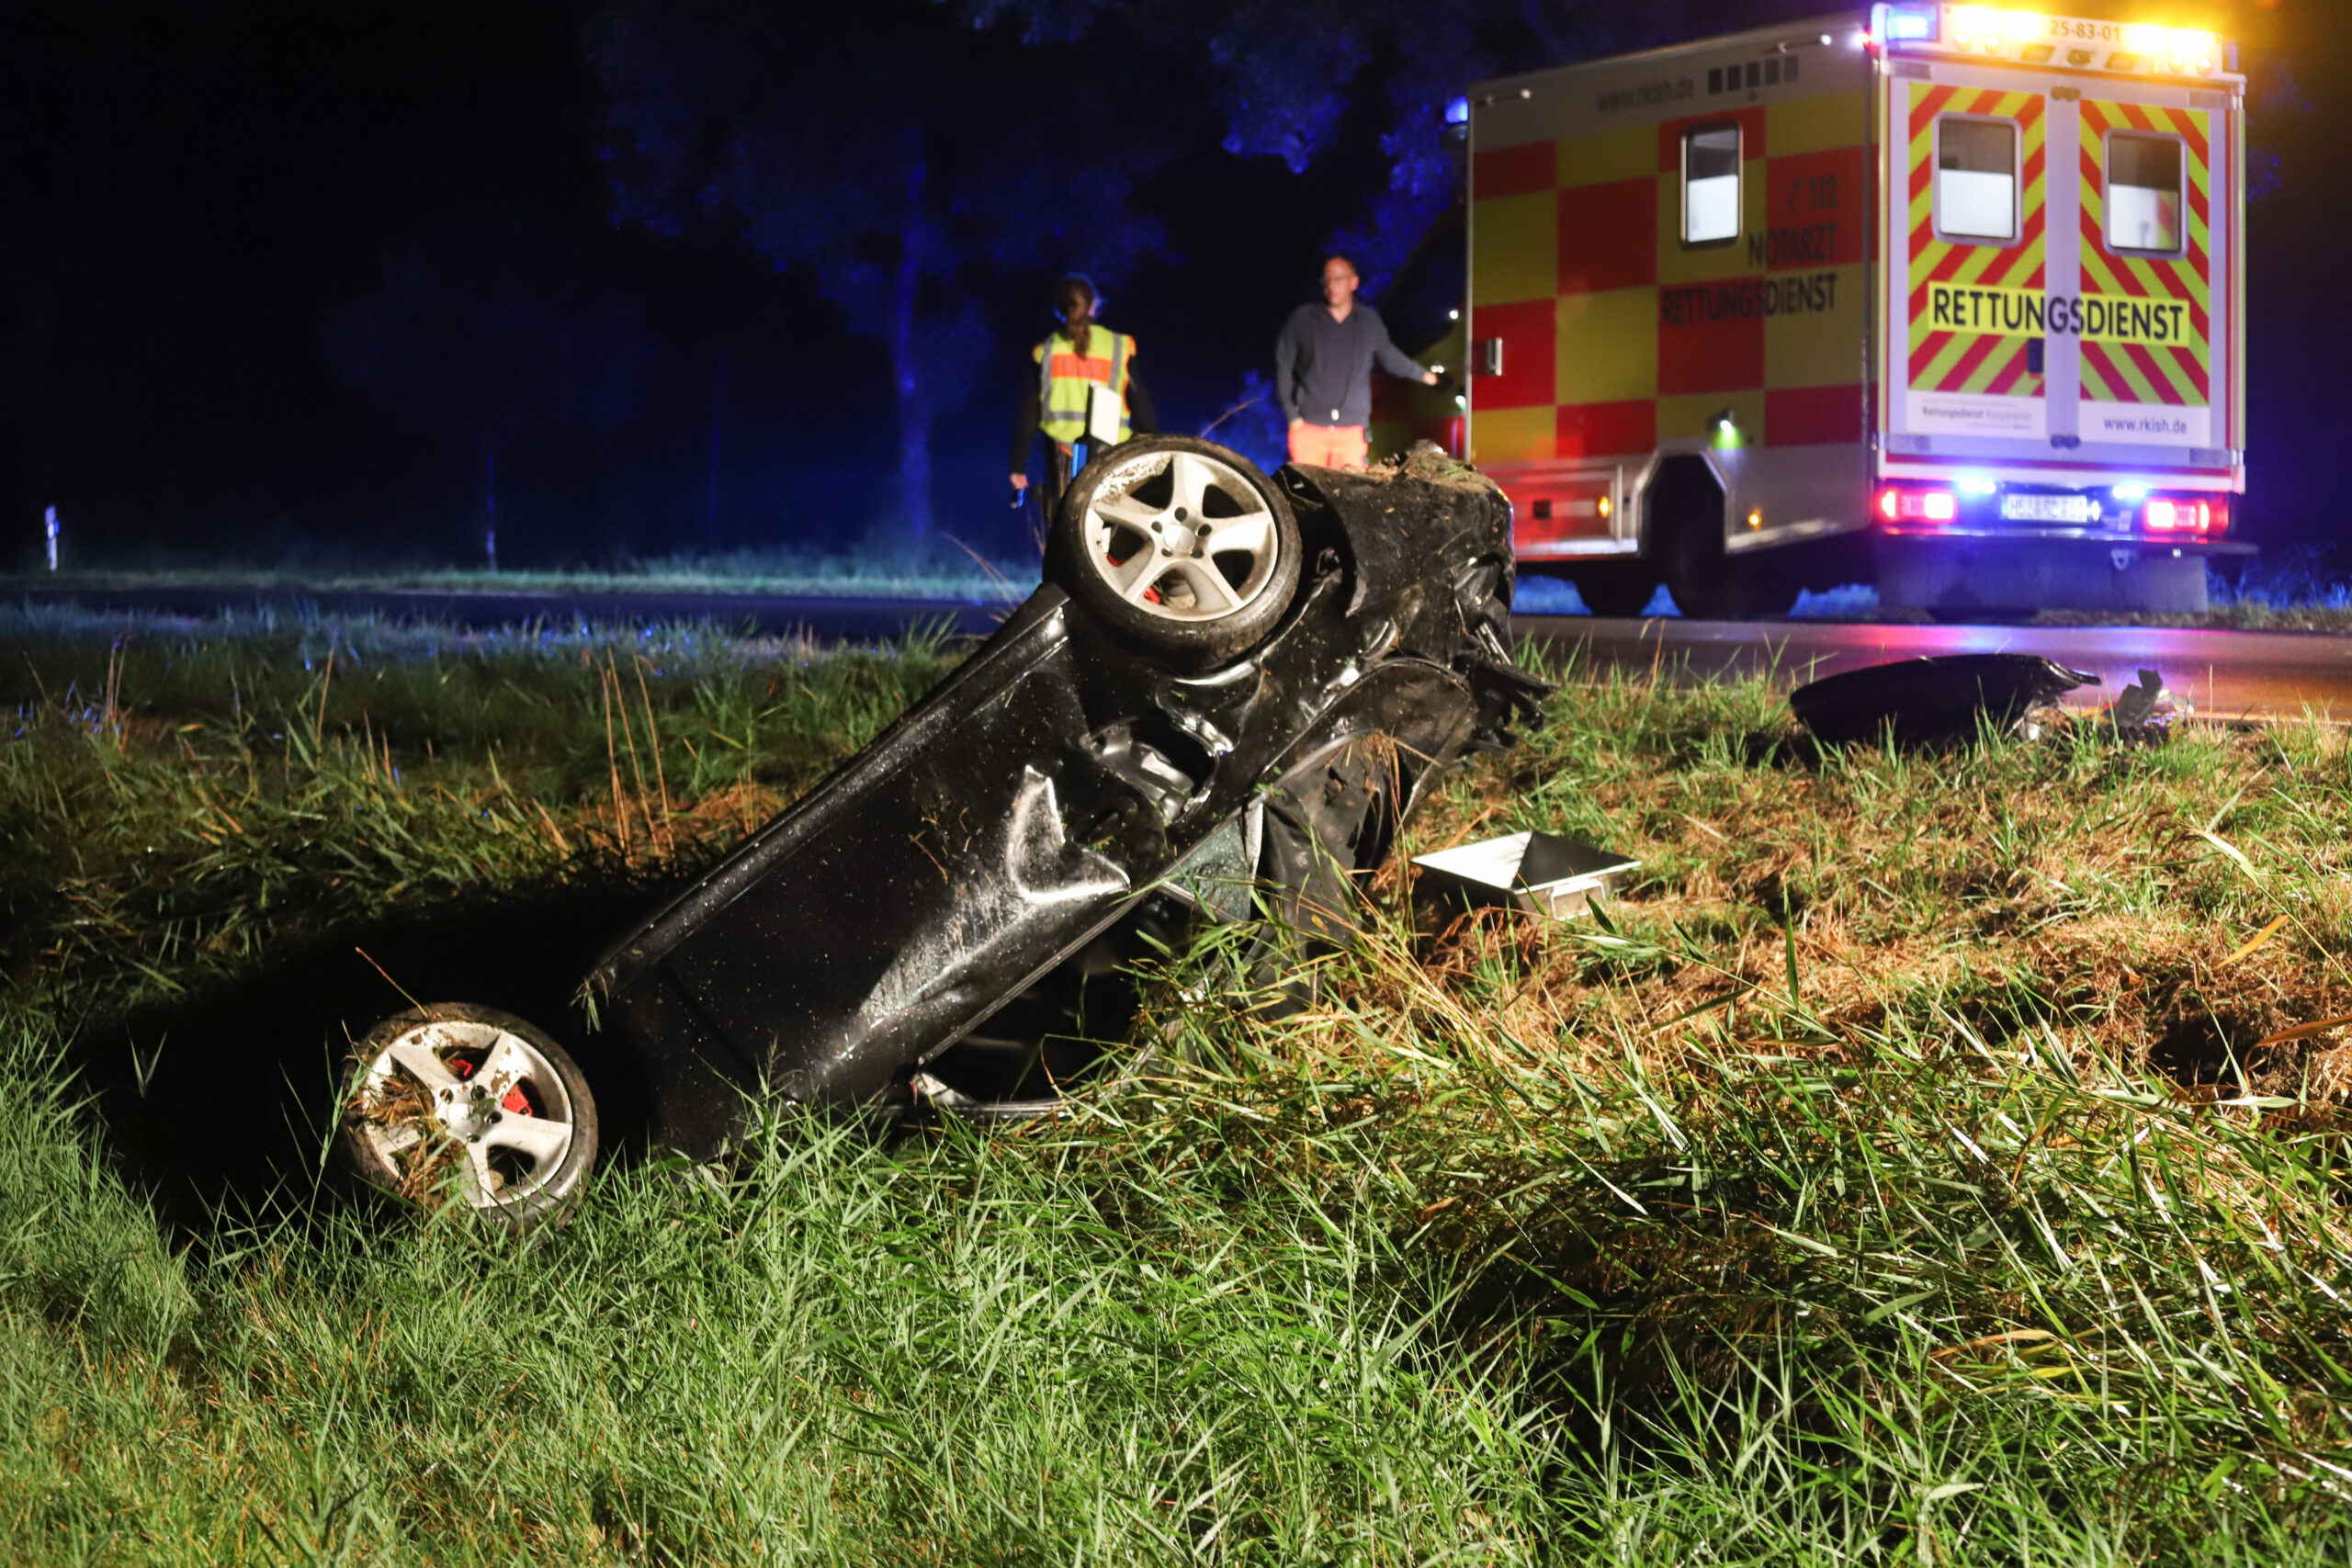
1225	700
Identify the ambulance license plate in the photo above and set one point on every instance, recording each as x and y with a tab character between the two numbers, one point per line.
2047	508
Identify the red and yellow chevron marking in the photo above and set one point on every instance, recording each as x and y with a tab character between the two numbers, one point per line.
1949	361
2178	373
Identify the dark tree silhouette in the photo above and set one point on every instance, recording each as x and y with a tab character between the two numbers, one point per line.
1285	73
906	156
479	329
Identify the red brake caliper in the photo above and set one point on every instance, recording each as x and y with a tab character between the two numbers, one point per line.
1150	594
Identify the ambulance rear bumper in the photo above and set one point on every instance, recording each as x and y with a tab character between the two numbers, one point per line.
2048	536
2011	571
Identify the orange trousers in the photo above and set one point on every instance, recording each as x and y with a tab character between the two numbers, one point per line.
1328	446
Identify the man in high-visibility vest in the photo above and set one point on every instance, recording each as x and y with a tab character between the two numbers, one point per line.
1085	389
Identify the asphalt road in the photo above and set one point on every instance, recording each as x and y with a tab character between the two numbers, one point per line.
2222	674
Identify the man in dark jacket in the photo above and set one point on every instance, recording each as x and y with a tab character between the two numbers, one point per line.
1323	371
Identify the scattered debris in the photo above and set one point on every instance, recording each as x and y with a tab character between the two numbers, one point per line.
1542	873
1927	701
2137	704
1431	464
2143	714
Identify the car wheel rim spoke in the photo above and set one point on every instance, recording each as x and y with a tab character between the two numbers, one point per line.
397	1139
419	1060
1252	535
544	1140
508	1064
484	1186
1191	478
1210	590
1143	568
1128	513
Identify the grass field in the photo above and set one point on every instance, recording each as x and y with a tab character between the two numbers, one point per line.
1928	1159
943	570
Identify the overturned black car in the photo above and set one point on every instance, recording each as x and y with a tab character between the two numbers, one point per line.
1228	697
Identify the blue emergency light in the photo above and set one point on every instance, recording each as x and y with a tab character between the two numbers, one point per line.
1912	24
1458	112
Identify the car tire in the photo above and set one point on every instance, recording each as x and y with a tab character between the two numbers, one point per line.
1618	588
464	1103
1177	546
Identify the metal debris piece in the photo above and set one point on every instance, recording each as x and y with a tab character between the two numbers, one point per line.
2143	714
1541	872
1925	701
2137	704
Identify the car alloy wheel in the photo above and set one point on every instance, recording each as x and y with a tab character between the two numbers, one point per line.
460	1103
1181	545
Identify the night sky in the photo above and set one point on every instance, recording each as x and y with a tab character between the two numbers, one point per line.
197	187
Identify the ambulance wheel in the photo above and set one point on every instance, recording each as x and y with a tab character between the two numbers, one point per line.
1616	587
457	1103
1685	504
1179	546
1708	585
1690	559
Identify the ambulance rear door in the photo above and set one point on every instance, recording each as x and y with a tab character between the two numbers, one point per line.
1971	373
2061	272
2145	382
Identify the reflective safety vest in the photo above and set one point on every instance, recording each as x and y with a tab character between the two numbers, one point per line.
1065	377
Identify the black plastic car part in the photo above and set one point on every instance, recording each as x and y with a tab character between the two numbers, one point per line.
1924	701
934	916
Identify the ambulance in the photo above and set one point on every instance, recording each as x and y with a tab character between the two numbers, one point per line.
1948	293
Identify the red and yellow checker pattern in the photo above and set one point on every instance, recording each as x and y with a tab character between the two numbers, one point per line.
1990	363
2177	374
1404	413
1616	335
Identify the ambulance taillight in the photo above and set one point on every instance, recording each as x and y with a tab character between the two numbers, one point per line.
1913	503
2205	515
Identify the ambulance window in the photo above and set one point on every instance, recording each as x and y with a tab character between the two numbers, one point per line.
1976	179
2143	193
1711	186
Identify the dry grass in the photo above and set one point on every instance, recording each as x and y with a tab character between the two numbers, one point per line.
2103	889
